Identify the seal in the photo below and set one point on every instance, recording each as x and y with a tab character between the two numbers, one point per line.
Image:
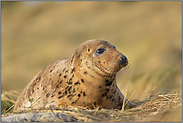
86	79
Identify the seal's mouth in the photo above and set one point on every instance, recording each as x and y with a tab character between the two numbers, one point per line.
122	62
108	71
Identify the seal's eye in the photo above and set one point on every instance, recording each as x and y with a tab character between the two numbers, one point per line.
114	47
100	50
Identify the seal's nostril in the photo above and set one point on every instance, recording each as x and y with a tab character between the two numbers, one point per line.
123	59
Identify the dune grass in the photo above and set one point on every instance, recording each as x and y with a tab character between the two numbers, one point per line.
8	99
156	105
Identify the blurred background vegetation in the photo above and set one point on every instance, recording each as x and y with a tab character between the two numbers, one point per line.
35	34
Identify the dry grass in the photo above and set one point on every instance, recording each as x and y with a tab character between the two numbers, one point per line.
157	106
8	100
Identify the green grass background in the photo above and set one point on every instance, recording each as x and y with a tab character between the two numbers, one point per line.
148	33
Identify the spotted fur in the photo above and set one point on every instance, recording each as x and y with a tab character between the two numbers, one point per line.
87	78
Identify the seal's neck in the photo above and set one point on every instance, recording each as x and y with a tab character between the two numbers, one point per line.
93	75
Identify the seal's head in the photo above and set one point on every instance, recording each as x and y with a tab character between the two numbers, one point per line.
100	56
